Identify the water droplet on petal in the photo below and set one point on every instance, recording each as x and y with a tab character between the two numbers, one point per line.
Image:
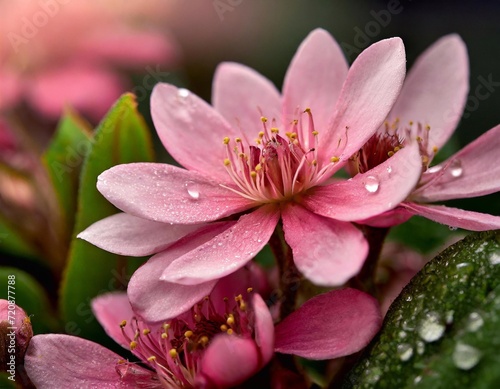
389	169
474	322
192	190
182	93
456	169
405	351
465	357
452	228
495	258
431	328
434	169
371	184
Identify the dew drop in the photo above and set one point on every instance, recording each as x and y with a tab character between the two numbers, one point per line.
408	298
405	351
456	169
495	258
182	93
434	169
431	328
474	322
465	357
452	228
389	169
192	190
371	184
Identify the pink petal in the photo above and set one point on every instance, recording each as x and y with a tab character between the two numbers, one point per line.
226	252
157	300
326	251
63	361
330	325
229	360
454	217
243	96
435	91
125	234
191	130
390	218
111	309
372	85
168	194
314	79
264	329
75	86
473	171
372	193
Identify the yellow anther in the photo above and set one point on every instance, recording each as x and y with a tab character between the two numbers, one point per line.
258	167
419	139
133	345
121	361
238	298
314	162
396	149
123	323
261	134
151	358
307	110
427	127
411	123
230	331
238	140
225	299
227	162
230	320
241	155
145	331
164	335
263	119
435	149
253	174
275	130
315	132
334	159
223	328
295	121
425	159
293	135
166	326
243	305
226	140
173	353
203	340
390	153
188	334
249	290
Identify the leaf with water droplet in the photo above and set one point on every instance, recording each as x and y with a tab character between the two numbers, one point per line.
453	332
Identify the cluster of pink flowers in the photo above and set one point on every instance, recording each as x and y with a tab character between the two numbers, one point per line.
258	166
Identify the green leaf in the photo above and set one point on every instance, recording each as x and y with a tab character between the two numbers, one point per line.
63	160
30	296
443	331
122	137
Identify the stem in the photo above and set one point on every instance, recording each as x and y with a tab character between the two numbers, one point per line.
289	275
365	280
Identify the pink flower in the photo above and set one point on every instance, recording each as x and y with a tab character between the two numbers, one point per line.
54	53
219	342
428	109
258	157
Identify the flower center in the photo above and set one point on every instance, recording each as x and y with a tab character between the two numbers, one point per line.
385	143
276	168
174	350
